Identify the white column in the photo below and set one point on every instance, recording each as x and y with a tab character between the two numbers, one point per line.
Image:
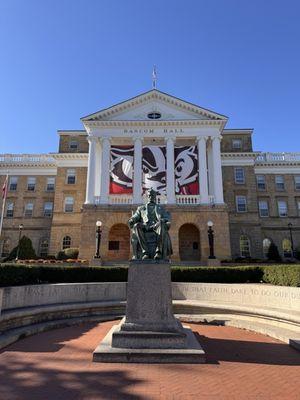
171	199
137	171
105	171
90	184
217	169
202	165
98	168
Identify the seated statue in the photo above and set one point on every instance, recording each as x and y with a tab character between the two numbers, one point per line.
149	225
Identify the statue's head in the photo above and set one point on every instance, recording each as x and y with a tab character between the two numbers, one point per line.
151	196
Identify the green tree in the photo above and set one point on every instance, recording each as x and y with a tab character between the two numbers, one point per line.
273	253
26	250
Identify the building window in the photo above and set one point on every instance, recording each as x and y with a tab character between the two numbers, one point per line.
66	243
31	180
113	245
154	115
69	204
266	245
241	203
48	209
239	175
236	144
297	182
263	207
244	246
282	208
287	248
44	244
279	182
298	207
13	183
261	182
10	209
50	184
73	145
28	209
71	176
5	248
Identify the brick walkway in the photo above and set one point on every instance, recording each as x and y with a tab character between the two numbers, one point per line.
57	365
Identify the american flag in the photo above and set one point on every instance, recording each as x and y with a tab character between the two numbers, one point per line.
4	187
154	77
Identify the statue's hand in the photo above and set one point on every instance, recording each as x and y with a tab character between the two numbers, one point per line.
154	226
130	222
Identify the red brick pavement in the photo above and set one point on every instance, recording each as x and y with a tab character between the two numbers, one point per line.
58	365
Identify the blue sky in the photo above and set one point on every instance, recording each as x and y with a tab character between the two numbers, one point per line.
63	59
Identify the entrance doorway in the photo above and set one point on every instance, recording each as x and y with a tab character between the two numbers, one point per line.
118	243
189	243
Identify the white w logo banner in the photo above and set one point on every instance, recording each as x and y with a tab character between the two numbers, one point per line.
154	169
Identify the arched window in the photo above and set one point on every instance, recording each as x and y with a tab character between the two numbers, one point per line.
287	248
244	246
44	244
5	247
266	245
66	243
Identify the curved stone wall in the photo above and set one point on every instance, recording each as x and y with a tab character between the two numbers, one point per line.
272	310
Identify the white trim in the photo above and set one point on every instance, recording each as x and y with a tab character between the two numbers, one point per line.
72	133
24	171
237	162
237	131
150	96
265	170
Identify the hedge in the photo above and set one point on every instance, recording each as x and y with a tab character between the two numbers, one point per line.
283	275
16	274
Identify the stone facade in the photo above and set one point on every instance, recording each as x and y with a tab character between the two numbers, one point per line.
112	216
241	167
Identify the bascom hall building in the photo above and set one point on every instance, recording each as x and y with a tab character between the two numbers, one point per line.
201	171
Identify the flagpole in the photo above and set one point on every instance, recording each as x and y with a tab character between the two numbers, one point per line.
2	212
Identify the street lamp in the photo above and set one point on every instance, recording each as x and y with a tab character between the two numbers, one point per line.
21	226
98	238
210	233
290	225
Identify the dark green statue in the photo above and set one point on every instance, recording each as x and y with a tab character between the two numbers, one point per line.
149	225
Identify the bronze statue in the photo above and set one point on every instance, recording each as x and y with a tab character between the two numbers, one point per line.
149	225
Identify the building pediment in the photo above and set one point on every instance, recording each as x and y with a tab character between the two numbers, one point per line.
154	106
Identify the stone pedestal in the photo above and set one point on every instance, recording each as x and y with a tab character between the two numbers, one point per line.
149	333
95	262
213	262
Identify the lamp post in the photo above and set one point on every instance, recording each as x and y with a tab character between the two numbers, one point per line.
21	226
98	238
210	233
290	225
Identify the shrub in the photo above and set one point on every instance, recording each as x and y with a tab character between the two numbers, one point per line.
283	275
67	253
273	253
26	250
297	253
217	274
18	274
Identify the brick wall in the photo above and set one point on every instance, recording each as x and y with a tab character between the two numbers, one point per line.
226	143
198	216
64	144
36	227
67	223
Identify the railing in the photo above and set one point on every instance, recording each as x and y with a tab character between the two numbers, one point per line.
181	199
184	199
120	199
26	158
278	157
160	199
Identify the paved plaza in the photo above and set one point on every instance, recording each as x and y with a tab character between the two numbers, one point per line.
58	365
